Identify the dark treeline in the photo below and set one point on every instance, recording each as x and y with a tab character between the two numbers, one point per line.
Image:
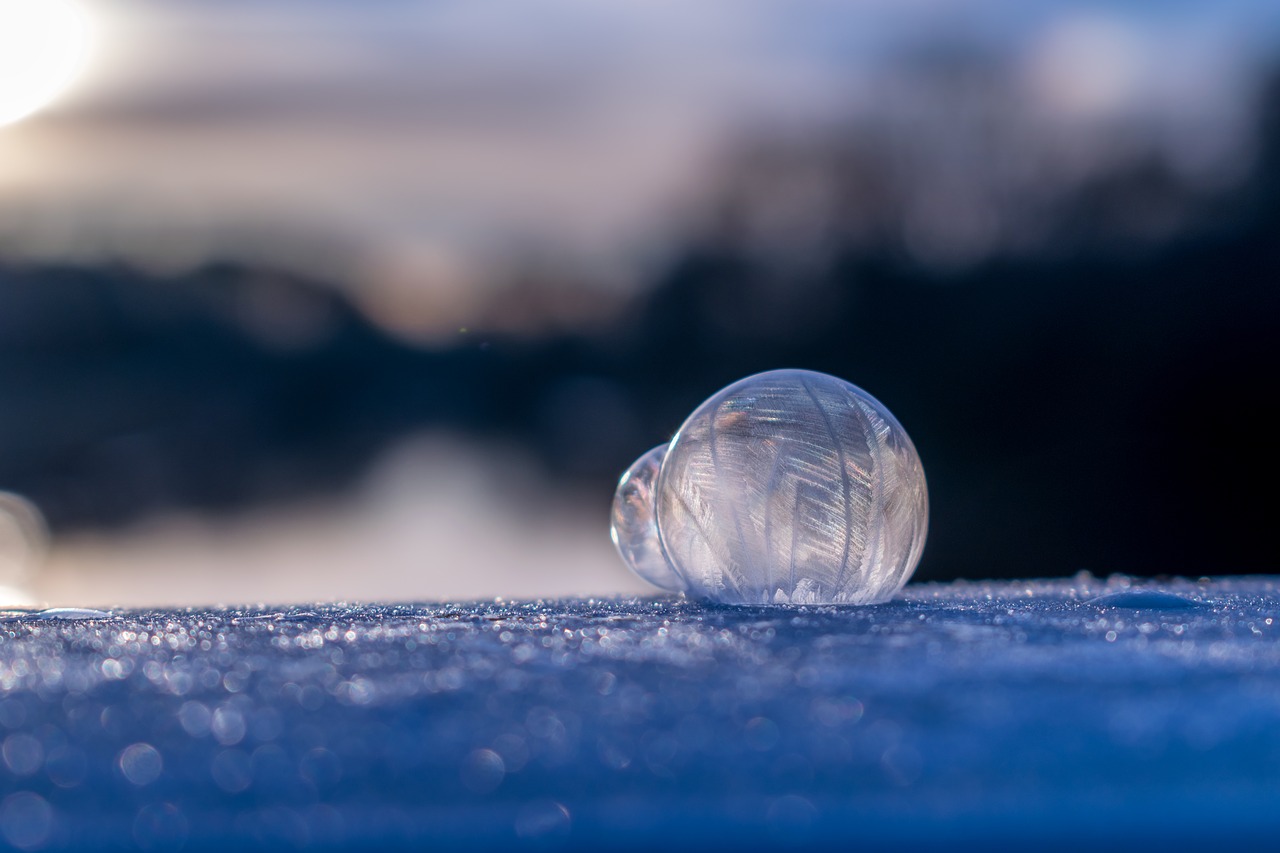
1101	409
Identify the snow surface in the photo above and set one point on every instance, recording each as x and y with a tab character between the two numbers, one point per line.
1064	714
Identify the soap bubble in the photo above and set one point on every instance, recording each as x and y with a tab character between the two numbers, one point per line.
635	527
785	487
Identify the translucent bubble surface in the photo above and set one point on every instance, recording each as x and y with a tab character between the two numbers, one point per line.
634	526
791	487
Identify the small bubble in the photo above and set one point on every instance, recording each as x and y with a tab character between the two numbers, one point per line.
357	691
26	820
66	766
178	682
542	722
633	525
194	718
482	771
613	755
228	726
234	681
112	720
833	713
140	763
762	734
232	771
790	816
902	765
321	768
23	754
160	827
311	698
543	819
605	683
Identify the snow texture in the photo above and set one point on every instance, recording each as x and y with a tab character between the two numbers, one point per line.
1064	714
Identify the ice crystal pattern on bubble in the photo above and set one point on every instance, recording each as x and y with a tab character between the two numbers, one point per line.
785	487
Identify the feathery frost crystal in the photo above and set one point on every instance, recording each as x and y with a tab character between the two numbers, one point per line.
785	487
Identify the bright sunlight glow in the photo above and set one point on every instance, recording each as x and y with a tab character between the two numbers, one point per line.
44	44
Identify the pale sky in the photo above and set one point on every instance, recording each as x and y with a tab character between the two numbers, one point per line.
410	147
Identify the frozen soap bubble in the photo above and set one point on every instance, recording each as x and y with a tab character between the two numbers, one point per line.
635	527
785	487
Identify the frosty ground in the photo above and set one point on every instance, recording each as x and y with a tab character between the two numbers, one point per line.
1110	713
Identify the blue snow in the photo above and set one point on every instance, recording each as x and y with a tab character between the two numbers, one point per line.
1066	714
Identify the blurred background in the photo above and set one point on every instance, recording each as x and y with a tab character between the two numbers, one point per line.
376	300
